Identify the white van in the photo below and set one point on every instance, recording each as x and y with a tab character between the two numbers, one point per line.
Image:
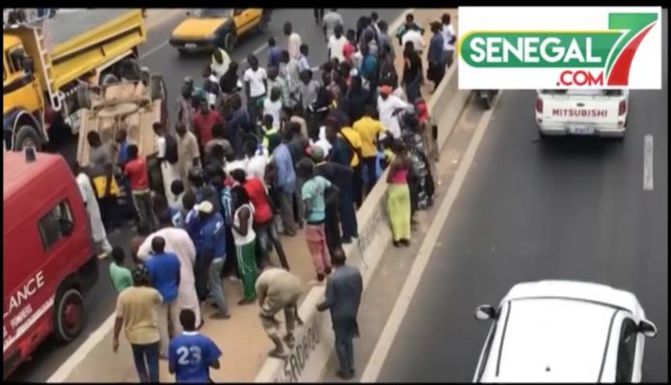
582	112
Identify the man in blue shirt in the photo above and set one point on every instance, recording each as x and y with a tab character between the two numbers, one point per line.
212	251
284	182
164	275
274	53
191	354
435	56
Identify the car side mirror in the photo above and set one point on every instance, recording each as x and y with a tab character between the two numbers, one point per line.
485	312
647	328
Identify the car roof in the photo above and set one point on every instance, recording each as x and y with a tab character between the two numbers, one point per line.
553	340
586	291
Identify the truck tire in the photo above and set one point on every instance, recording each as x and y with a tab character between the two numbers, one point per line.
130	70
158	89
26	135
69	316
108	79
229	42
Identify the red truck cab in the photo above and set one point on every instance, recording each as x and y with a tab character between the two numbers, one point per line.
49	263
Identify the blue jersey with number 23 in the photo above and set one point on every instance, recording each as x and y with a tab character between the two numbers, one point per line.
191	354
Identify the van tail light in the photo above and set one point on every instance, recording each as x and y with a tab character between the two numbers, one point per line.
539	105
622	108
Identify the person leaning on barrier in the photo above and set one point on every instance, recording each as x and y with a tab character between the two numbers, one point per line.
278	290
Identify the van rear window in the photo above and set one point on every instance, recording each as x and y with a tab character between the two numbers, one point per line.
56	224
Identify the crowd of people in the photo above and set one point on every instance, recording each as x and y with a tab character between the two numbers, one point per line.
257	156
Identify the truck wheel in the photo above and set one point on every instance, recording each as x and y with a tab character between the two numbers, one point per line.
69	318
229	42
108	79
26	136
158	88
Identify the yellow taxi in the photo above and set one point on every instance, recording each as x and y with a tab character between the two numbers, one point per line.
205	29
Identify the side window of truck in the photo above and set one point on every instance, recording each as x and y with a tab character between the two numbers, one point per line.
15	58
56	224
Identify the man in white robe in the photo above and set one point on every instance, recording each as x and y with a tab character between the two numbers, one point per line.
177	241
169	171
95	219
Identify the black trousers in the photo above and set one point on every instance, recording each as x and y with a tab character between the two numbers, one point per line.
332	227
231	263
371	168
319	13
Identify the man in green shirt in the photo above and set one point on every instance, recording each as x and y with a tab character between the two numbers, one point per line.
120	274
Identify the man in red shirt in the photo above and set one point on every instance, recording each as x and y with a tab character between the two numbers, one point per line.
264	219
137	172
203	121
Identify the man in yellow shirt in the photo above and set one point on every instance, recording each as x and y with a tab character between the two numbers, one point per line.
353	140
369	128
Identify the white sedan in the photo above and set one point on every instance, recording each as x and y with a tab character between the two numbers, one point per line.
564	331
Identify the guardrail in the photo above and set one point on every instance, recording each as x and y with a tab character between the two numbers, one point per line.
315	340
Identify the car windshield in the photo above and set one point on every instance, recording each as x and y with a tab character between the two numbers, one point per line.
211	12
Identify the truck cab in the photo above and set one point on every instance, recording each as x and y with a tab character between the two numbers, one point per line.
22	96
48	61
48	257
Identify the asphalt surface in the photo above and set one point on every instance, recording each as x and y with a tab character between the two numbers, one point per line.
570	209
161	57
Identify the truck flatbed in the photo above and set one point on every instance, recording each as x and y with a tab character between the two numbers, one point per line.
65	26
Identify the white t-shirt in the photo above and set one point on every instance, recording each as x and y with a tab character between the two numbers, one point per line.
416	38
256	166
385	109
236	164
294	45
448	34
322	142
256	81
336	46
273	109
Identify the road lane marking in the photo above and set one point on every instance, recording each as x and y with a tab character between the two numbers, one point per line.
384	344
648	177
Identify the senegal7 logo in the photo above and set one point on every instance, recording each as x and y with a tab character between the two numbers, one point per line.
635	27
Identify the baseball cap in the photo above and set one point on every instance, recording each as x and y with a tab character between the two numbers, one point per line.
205	207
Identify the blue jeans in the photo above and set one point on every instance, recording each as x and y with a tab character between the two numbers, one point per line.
217	285
146	360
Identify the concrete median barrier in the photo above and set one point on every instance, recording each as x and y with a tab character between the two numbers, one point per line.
309	358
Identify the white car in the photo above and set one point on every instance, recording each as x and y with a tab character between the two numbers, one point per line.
582	112
564	331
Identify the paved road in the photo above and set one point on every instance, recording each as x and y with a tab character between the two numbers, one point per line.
529	211
161	57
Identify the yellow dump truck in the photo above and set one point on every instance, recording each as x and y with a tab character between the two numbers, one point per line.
49	64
